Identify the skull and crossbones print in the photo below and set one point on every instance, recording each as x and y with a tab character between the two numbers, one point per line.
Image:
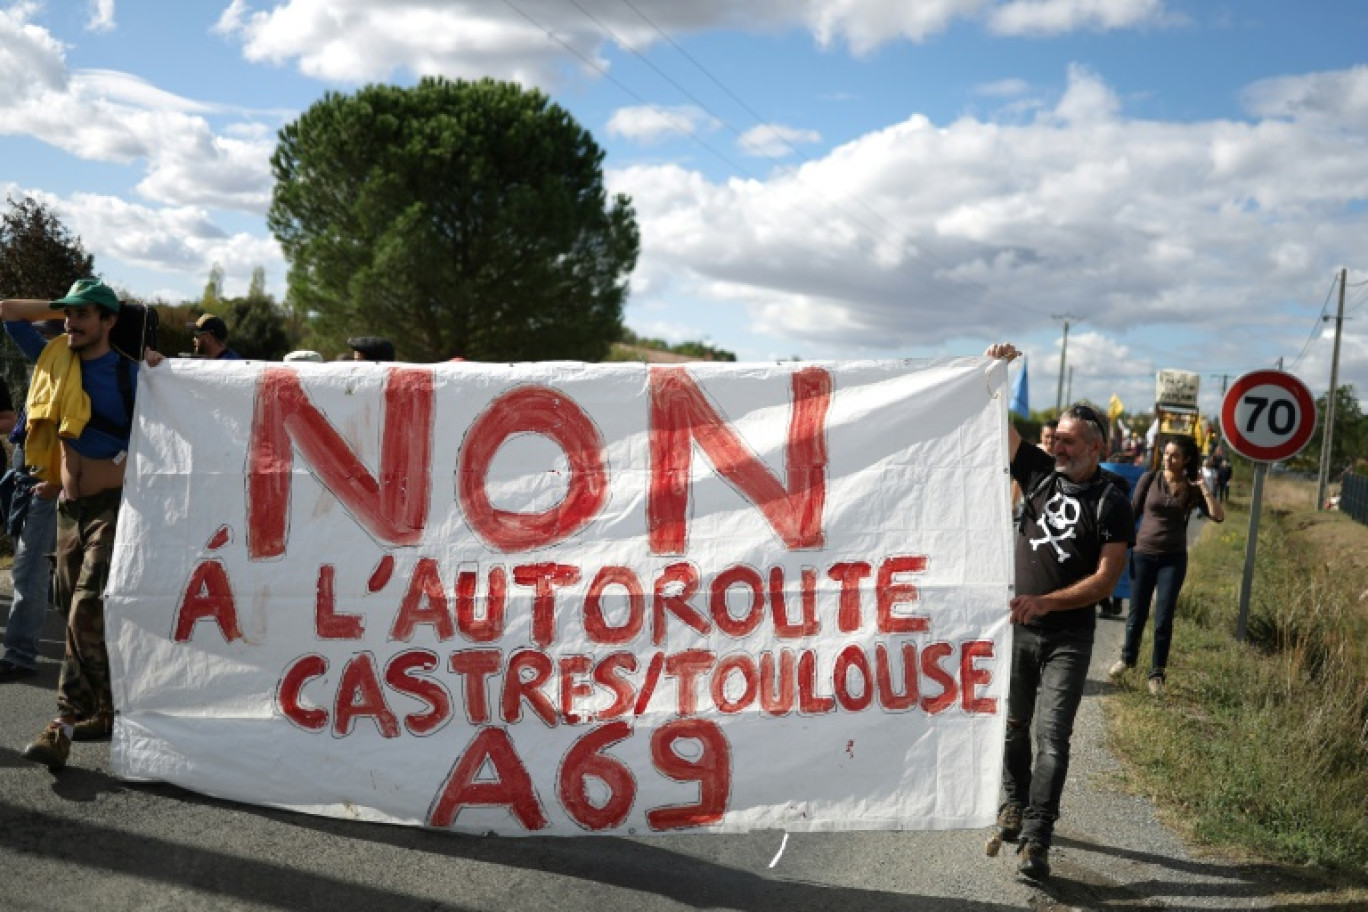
1059	522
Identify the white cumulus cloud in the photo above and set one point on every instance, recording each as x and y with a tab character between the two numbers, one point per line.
101	16
915	234
775	140
539	42
653	123
100	115
1055	17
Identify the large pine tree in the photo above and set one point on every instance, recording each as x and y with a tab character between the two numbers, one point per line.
456	218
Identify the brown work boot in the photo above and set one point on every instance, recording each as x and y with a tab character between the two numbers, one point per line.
51	748
1007	829
1035	859
94	728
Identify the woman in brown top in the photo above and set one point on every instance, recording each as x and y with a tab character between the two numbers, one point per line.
1163	501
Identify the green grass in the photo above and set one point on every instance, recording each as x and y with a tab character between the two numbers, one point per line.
1261	746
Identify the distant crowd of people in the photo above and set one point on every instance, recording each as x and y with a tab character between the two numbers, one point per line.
210	335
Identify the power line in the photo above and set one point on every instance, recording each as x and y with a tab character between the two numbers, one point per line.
755	115
625	88
1316	329
623	42
702	69
1328	434
690	134
1360	300
759	119
763	121
872	232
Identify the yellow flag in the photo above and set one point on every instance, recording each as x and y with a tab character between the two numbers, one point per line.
1200	432
1115	407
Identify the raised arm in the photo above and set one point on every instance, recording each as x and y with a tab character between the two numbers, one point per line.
30	309
1006	351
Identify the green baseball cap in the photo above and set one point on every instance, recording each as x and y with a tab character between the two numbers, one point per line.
88	291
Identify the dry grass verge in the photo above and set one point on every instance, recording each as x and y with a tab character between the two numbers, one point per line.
1262	747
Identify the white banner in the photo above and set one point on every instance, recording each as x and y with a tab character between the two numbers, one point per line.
569	598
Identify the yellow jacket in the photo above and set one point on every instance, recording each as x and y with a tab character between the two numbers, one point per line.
57	407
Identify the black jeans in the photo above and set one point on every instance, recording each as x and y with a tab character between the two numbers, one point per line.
1049	670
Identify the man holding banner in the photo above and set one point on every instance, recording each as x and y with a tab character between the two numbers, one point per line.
80	408
1071	543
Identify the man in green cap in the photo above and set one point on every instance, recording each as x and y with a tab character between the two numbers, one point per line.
80	411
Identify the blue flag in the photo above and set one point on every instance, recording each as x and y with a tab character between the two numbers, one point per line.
1021	394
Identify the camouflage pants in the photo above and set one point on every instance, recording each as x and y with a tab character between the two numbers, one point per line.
85	547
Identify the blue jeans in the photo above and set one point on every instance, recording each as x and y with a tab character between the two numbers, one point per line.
1156	577
1049	671
32	576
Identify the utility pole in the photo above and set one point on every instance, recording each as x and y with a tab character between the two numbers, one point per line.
1063	352
1225	379
1068	390
1328	438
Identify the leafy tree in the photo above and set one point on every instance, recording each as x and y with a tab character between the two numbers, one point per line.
704	351
173	338
256	291
699	350
257	328
1351	434
213	289
38	259
455	218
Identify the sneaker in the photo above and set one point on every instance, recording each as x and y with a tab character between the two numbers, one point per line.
1035	859
1118	669
1007	828
98	727
1156	686
52	748
11	672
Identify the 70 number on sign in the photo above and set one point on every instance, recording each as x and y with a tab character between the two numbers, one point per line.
1268	416
1282	417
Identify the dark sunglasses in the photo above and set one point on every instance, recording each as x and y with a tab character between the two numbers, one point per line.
1086	413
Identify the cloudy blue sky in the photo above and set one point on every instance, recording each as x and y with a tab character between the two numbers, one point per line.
1182	179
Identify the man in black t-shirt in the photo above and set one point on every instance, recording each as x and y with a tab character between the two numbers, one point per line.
1072	535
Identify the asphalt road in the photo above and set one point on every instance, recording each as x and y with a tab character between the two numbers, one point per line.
82	839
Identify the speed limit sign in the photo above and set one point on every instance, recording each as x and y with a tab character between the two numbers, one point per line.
1268	416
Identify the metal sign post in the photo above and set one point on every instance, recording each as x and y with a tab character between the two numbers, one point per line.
1251	546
